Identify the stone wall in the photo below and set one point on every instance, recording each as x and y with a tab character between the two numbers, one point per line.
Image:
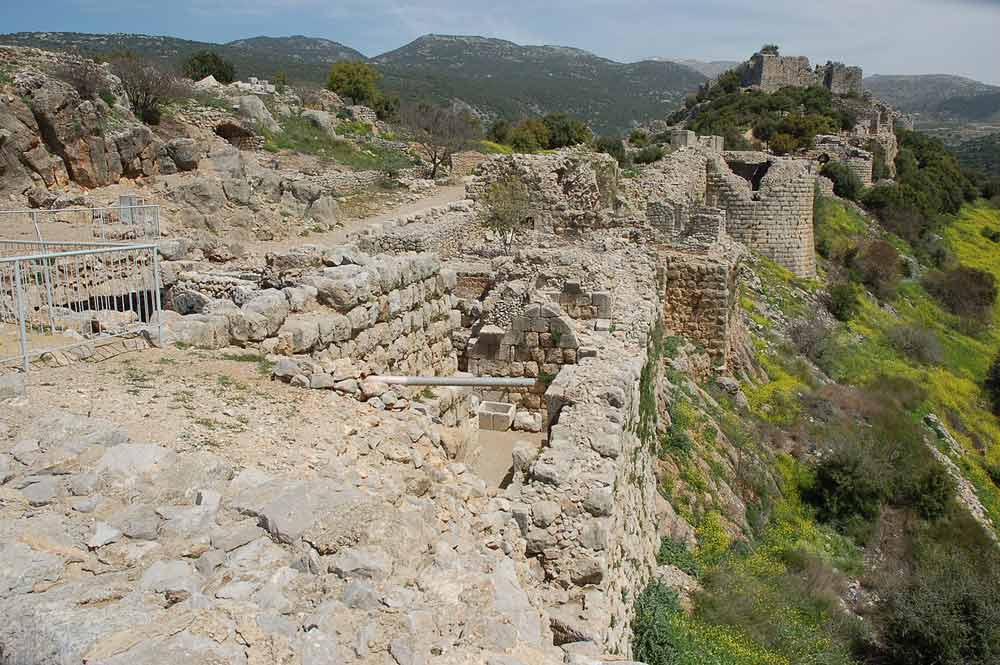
681	223
770	72
586	504
769	205
538	344
570	188
700	294
440	229
840	79
464	163
833	148
680	177
338	316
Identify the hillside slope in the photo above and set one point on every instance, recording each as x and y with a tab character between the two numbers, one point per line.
500	78
300	58
938	95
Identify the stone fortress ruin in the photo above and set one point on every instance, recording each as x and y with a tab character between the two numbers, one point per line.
379	542
770	72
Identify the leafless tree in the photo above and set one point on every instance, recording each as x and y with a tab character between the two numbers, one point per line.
87	77
440	132
148	86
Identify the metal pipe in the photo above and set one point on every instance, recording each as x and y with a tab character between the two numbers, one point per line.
461	381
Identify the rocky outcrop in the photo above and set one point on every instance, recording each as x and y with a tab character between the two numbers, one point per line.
56	137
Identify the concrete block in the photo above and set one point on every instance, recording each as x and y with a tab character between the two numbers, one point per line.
496	416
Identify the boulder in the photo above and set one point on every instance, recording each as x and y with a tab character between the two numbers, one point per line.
322	120
252	109
184	152
204	195
271	307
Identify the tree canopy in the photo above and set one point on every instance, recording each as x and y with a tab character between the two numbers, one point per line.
356	80
209	63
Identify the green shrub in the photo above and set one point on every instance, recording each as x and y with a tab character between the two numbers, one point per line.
499	131
992	384
639	138
648	155
850	483
966	292
676	553
208	63
846	184
356	80
655	640
564	130
613	146
948	612
530	135
931	492
842	300
916	342
993	235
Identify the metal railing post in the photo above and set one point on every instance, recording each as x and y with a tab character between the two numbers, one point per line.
22	330
156	296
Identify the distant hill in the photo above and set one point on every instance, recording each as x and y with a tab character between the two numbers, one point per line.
710	69
301	58
938	96
493	76
501	78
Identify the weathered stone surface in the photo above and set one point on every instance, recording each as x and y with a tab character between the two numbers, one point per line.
253	110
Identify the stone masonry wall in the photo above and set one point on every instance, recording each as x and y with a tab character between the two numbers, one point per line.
773	72
586	504
838	149
339	320
679	178
568	188
700	294
538	344
440	229
770	73
773	216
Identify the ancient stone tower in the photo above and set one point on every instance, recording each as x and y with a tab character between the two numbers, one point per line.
770	72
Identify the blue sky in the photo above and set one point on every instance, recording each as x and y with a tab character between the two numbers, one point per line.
883	36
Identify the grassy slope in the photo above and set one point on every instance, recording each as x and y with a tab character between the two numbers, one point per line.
756	611
862	352
954	386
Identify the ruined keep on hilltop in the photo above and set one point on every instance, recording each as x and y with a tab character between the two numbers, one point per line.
770	72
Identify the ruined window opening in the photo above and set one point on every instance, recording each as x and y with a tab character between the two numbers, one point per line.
752	173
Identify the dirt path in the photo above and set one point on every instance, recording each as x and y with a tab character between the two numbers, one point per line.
441	196
495	460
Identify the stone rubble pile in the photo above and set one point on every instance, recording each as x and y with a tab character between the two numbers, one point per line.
117	551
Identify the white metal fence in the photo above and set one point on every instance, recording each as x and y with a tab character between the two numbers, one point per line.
62	295
121	223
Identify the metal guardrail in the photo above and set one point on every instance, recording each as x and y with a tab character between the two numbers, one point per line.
121	223
56	296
